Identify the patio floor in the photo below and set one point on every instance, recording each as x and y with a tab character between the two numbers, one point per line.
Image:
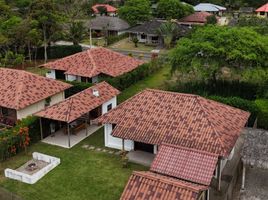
141	157
61	139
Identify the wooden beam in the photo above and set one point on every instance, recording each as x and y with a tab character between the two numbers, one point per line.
41	127
68	130
243	176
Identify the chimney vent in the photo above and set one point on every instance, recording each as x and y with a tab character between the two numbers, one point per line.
96	93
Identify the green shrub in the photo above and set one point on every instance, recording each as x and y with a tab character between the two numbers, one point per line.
115	38
11	138
124	81
240	103
54	52
77	87
263	114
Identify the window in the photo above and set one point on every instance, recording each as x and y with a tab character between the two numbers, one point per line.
5	111
262	13
143	36
113	126
109	107
47	101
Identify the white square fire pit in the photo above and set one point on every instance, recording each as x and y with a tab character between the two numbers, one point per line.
34	169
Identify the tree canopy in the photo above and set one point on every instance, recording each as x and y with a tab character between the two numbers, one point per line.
173	9
211	48
135	11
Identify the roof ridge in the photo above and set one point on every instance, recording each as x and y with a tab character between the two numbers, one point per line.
95	68
166	179
170	92
19	87
189	149
212	124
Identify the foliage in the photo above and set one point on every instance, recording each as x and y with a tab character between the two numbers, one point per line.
240	103
11	59
135	11
260	25
168	31
263	114
102	10
115	38
16	139
54	52
173	9
212	19
135	40
207	51
77	87
124	81
77	32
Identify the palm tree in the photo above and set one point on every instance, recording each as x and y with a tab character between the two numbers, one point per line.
168	31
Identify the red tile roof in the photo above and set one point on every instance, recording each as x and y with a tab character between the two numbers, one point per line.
263	8
148	185
155	117
197	17
19	88
108	7
185	163
79	104
95	61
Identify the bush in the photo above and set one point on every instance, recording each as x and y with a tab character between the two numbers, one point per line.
16	139
115	38
263	113
77	87
240	103
223	88
124	81
54	52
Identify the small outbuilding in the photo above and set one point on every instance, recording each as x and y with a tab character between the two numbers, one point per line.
209	7
262	11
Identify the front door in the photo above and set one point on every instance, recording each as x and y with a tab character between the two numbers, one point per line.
143	147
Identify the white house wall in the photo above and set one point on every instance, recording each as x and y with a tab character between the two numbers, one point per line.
112	101
51	74
31	109
69	77
116	143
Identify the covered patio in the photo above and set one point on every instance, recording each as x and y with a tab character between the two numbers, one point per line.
70	121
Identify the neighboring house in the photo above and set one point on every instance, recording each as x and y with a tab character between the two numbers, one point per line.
193	137
147	32
88	66
209	7
262	11
113	26
73	115
23	93
109	10
197	18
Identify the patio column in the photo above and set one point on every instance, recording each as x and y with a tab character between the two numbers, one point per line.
86	125
41	127
243	176
207	195
123	145
68	130
219	175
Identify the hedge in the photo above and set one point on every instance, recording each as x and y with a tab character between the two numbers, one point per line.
54	52
115	38
223	88
77	87
124	81
11	141
263	114
240	103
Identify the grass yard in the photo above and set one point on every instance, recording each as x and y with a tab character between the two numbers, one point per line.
82	174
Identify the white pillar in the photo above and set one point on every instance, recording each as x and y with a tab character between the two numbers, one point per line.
219	174
243	177
68	130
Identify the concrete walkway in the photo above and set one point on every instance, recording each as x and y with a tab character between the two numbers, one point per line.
141	157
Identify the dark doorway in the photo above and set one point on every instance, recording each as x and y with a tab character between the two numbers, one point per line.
60	74
143	147
95	113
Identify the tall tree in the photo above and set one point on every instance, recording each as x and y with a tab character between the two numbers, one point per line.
211	48
135	11
168	31
173	9
77	32
47	14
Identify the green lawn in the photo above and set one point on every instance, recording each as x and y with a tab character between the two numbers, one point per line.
82	174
